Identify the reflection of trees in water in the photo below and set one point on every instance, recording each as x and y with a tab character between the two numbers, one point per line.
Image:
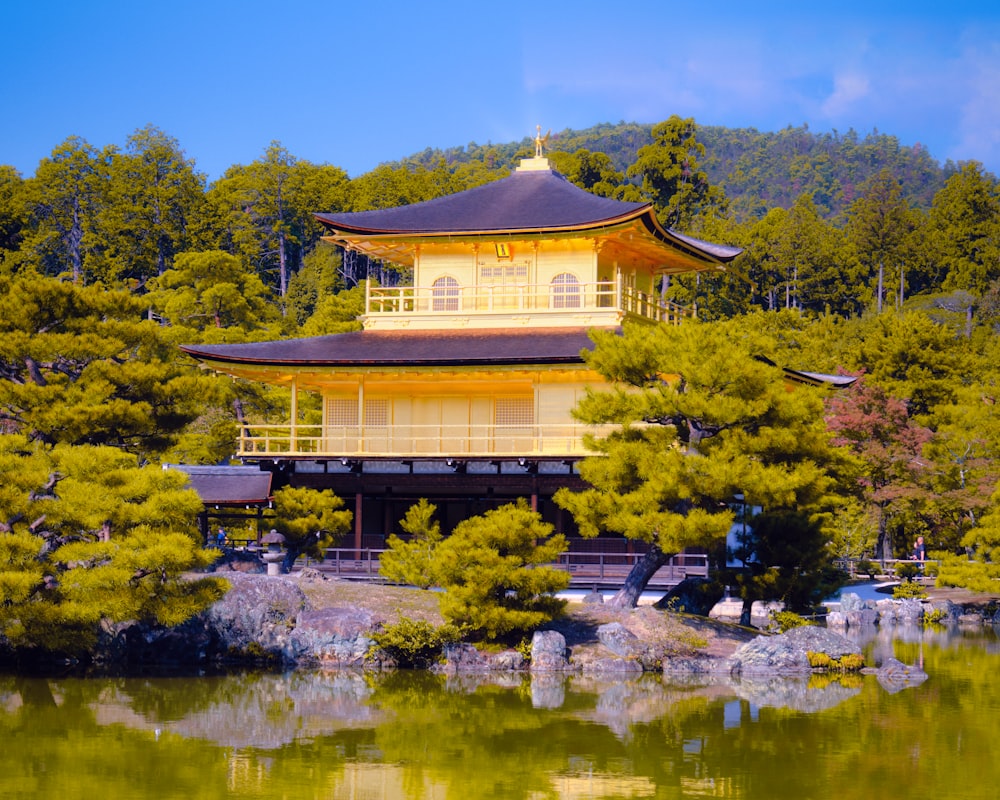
417	735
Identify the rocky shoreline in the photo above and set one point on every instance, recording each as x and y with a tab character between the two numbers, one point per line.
270	621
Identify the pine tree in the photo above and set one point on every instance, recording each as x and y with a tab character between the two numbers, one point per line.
495	575
88	537
697	415
412	561
310	520
79	365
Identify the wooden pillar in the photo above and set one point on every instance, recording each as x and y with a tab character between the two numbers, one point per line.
293	427
357	524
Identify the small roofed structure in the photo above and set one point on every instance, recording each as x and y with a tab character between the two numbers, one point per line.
229	494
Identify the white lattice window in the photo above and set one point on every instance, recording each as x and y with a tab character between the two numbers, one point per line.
513	274
514	412
444	294
565	291
377	413
341	412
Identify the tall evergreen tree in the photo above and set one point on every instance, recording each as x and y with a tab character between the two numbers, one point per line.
697	419
965	219
153	196
64	199
877	228
671	175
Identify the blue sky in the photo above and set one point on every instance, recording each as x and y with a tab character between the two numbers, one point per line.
359	83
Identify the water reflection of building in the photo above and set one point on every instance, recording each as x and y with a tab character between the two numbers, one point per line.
460	387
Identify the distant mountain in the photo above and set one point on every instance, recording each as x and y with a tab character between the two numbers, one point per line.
757	170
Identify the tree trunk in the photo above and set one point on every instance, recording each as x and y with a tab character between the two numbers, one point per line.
637	579
882	541
881	283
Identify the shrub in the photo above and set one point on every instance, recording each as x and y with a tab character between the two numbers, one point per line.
867	567
819	660
412	562
934	616
849	662
907	570
495	574
786	620
414	643
909	590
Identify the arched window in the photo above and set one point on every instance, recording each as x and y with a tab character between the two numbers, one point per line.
565	291
444	294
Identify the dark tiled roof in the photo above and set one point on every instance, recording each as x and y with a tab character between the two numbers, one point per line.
524	201
221	485
409	348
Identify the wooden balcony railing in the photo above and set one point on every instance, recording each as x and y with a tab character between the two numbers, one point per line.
599	297
416	441
586	569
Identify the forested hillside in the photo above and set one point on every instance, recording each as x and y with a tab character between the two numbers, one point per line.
756	170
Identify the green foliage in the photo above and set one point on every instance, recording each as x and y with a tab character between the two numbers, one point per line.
79	365
211	289
320	277
696	418
907	570
493	570
852	533
849	662
671	175
867	567
150	196
337	313
413	561
909	590
262	212
414	643
934	616
786	620
310	520
786	557
87	537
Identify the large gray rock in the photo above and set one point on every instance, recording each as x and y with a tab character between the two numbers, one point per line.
466	658
861	617
905	612
333	637
675	666
548	652
850	601
894	675
787	653
619	639
945	611
258	613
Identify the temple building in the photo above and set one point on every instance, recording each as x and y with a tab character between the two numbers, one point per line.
459	388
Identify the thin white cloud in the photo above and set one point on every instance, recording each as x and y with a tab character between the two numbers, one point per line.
849	88
978	122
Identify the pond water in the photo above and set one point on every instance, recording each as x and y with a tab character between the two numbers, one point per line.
414	736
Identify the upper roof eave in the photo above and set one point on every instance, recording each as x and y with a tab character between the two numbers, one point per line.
393	349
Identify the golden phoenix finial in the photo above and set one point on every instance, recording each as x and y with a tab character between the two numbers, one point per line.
540	141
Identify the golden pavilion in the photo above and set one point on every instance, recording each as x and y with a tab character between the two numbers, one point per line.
460	387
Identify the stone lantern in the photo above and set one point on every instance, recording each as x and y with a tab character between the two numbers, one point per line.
274	553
